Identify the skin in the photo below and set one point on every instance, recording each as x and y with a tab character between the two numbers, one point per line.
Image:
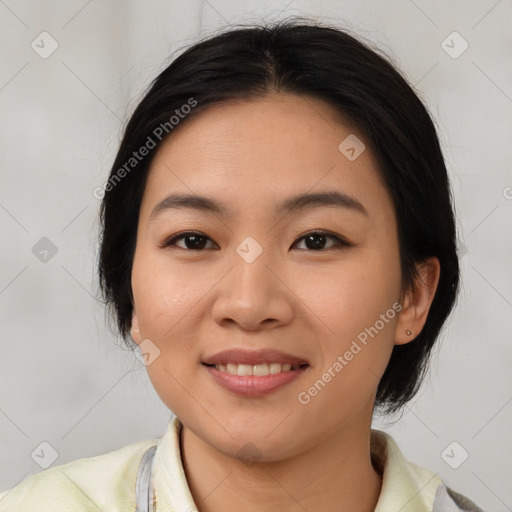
305	301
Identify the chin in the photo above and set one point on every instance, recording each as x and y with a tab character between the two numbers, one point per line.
248	442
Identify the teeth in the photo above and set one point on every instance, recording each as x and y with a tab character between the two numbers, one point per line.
257	369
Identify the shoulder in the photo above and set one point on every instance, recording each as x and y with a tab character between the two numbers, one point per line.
104	482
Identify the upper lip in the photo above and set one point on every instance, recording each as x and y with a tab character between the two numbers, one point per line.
252	357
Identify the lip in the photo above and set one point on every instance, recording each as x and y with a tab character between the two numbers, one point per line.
252	385
252	357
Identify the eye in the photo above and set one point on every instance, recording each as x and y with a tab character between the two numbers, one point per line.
194	241
314	240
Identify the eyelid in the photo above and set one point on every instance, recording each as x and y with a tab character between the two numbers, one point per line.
340	241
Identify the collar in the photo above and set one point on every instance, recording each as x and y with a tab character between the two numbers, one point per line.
405	486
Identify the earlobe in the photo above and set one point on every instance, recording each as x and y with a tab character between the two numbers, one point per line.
134	330
417	303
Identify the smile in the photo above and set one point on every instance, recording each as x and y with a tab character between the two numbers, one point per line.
256	369
248	382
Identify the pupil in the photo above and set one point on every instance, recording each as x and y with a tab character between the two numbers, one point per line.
316	244
196	241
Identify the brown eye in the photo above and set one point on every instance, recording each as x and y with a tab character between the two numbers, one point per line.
193	241
316	240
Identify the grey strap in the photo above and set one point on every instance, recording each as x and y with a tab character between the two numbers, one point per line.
447	500
143	488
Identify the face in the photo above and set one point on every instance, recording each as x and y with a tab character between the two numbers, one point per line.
309	281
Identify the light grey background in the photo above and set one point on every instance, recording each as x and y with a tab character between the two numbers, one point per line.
64	378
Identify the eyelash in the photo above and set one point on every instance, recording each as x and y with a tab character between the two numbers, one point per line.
340	242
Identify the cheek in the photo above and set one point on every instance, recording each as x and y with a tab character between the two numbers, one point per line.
350	294
354	301
166	296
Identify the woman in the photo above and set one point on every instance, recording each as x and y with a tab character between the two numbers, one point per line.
279	241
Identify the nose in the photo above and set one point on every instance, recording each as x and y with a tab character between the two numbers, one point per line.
254	296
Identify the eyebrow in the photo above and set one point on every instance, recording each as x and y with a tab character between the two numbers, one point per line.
289	205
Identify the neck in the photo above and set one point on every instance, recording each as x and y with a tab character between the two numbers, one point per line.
335	475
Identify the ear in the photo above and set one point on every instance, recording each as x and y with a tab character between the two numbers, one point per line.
417	302
134	330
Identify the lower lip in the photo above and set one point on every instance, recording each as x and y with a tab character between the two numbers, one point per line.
254	385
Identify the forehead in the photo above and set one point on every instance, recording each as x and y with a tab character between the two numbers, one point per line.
258	153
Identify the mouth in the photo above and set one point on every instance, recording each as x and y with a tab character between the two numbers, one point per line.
258	370
253	373
262	359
